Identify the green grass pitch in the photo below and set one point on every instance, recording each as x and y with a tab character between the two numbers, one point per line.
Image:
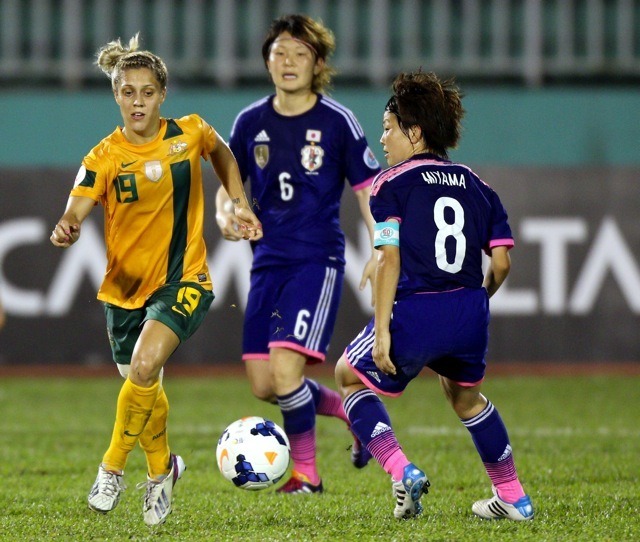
576	443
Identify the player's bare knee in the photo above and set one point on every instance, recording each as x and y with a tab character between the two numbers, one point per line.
264	393
468	405
344	378
144	373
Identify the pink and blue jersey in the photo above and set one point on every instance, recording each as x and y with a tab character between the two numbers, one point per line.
297	167
447	216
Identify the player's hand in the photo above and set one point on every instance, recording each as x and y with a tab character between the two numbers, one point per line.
380	353
369	274
64	234
229	226
249	226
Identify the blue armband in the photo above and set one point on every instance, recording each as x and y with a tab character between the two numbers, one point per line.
386	233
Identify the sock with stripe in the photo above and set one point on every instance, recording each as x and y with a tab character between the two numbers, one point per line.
133	411
371	424
299	419
326	400
490	436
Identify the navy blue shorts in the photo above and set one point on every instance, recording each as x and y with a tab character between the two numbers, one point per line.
445	331
292	307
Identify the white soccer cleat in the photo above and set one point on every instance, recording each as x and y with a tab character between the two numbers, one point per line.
408	492
106	490
157	498
496	508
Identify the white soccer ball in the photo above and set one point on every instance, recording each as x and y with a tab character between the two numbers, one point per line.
253	453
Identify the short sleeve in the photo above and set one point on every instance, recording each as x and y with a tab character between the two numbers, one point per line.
238	146
500	234
360	163
91	179
209	137
384	204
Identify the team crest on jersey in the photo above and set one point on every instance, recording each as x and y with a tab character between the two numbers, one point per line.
312	157
177	147
261	155
153	170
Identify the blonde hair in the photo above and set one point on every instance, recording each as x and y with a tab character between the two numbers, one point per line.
114	58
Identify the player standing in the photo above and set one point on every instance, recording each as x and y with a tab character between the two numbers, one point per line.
157	289
434	218
297	147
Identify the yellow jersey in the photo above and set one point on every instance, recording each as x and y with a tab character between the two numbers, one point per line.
153	202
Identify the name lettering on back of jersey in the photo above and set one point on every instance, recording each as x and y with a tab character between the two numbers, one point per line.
439	177
177	147
153	170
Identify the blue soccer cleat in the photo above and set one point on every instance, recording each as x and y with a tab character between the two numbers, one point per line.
408	492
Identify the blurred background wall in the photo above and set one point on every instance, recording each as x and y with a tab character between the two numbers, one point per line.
552	124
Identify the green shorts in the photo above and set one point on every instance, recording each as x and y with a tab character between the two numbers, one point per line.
181	307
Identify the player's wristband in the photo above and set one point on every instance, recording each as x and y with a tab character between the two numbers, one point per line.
386	233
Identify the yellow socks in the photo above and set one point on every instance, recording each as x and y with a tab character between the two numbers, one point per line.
135	406
154	440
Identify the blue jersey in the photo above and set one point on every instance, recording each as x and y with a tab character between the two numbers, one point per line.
447	216
297	168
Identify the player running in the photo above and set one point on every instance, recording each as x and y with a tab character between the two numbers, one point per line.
157	288
297	147
434	219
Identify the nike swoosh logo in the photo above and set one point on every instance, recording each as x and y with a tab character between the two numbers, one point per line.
131	435
124	166
176	309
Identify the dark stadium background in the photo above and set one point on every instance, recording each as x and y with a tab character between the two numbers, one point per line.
552	124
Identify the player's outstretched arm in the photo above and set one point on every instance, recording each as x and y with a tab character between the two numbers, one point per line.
226	168
67	230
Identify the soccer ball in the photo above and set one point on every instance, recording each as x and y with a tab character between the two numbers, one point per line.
253	453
